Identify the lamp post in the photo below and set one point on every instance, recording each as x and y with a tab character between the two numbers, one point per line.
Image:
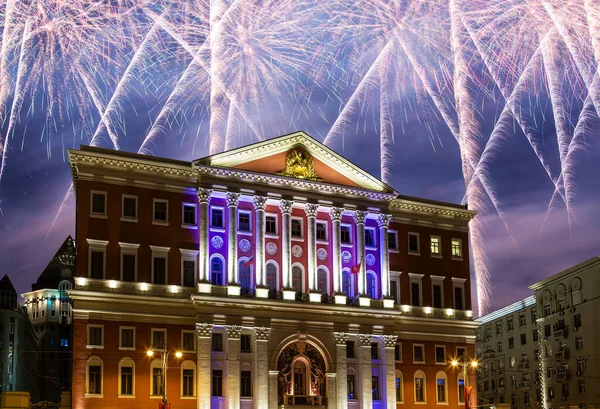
164	359
465	362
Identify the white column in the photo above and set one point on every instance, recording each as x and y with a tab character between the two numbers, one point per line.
341	339
384	259
285	206
359	219
203	377
331	390
365	381
261	366
336	219
389	345
233	286
203	267
259	256
233	366
273	386
310	209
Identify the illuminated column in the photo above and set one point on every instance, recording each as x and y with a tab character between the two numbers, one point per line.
310	209
285	206
262	291
384	259
203	267
331	390
273	385
261	366
365	381
341	339
233	286
389	345
359	219
233	366
203	333
336	217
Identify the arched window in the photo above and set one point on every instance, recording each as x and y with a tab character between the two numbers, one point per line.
245	273
322	284
560	295
461	388
371	285
297	278
126	377
420	386
272	276
399	387
347	283
156	378
216	270
188	378
351	380
246	380
441	386
575	291
94	371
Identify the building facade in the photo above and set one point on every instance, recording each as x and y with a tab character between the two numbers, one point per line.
284	274
49	310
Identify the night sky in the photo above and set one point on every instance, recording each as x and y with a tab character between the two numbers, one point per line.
424	157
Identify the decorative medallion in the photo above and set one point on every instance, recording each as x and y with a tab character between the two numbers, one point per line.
217	242
297	251
244	245
299	164
346	256
321	254
271	248
370	259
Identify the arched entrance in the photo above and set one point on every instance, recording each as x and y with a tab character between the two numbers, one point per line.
301	378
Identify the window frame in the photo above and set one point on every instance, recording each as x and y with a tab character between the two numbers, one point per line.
223	272
422	346
121	347
395	282
395	249
411	252
350	243
212	227
193	225
444	376
97	246
131	364
399	345
129	249
301	220
131	219
154	220
160	252
250	224
94	361
302	276
420	374
152	346
437	280
188	365
459	283
183	332
460	247
326	224
444	362
439	254
326	270
399	381
156	364
189	255
374	245
242	395
98	215
92	346
416	278
276	234
372	274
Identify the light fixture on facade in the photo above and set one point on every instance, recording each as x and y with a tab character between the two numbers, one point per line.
427	310
406	308
112	284
81	281
174	289
449	312
144	287
470	314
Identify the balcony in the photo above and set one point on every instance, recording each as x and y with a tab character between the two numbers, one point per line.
562	376
561	355
560	333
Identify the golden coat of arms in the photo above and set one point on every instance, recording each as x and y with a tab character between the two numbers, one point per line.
299	164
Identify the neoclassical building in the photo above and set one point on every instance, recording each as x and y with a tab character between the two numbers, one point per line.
274	274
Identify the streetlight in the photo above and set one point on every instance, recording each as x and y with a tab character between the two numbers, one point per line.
465	362
164	359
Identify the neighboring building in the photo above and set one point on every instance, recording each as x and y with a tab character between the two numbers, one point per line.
568	305
19	345
49	310
283	273
508	351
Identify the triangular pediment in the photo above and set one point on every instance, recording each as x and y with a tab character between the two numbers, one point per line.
297	155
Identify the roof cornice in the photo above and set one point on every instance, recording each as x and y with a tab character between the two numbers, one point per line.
399	204
565	273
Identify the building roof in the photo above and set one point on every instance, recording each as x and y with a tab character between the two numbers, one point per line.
8	294
59	268
509	309
565	273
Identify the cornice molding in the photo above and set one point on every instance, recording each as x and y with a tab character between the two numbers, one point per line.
432	209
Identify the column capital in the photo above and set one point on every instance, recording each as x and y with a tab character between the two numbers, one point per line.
260	202
233	331
360	216
203	195
364	340
232	199
340	338
389	341
286	206
311	209
261	333
203	330
336	213
383	220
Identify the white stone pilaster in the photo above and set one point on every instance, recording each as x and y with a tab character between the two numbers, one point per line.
359	219
261	366
233	366
389	344
336	242
310	209
365	381
203	259
273	393
285	206
203	377
331	390
341	368
384	256
260	203
232	254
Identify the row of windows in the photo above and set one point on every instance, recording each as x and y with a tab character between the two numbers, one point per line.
418	352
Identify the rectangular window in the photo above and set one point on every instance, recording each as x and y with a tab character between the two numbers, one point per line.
160	210
375	387
441	390
437	296
415	290
458	298
460	352
577	320
217	382
345	235
413	243
511	343
351	387
129	210
64	342
189	341
245	344
97	264
419	390
128	267
547	330
188	382
321	231
374	350
160	267
393	240
99	203
418	354
394	291
270	225
216	217
440	355
189	273
159	339
398	352
369	237
509	323
522	320
189	214
499	348
457	248
578	342
95	337
95	379
533	315
581	387
535	335
436	246
157	384
126	380
244	221
461	391
349	349
297	228
523	339
217	344
246	384
127	335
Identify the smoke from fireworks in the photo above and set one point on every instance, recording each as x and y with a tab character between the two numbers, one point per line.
228	72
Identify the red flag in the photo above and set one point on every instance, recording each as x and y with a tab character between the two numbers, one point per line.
468	391
249	262
356	268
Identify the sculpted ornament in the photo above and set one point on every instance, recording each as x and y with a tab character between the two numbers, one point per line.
297	251
203	329
389	341
364	340
286	206
360	216
383	220
346	256
370	259
244	245
271	248
203	195
321	254
260	202
299	164
217	242
336	213
262	333
233	199
233	331
340	338
311	209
